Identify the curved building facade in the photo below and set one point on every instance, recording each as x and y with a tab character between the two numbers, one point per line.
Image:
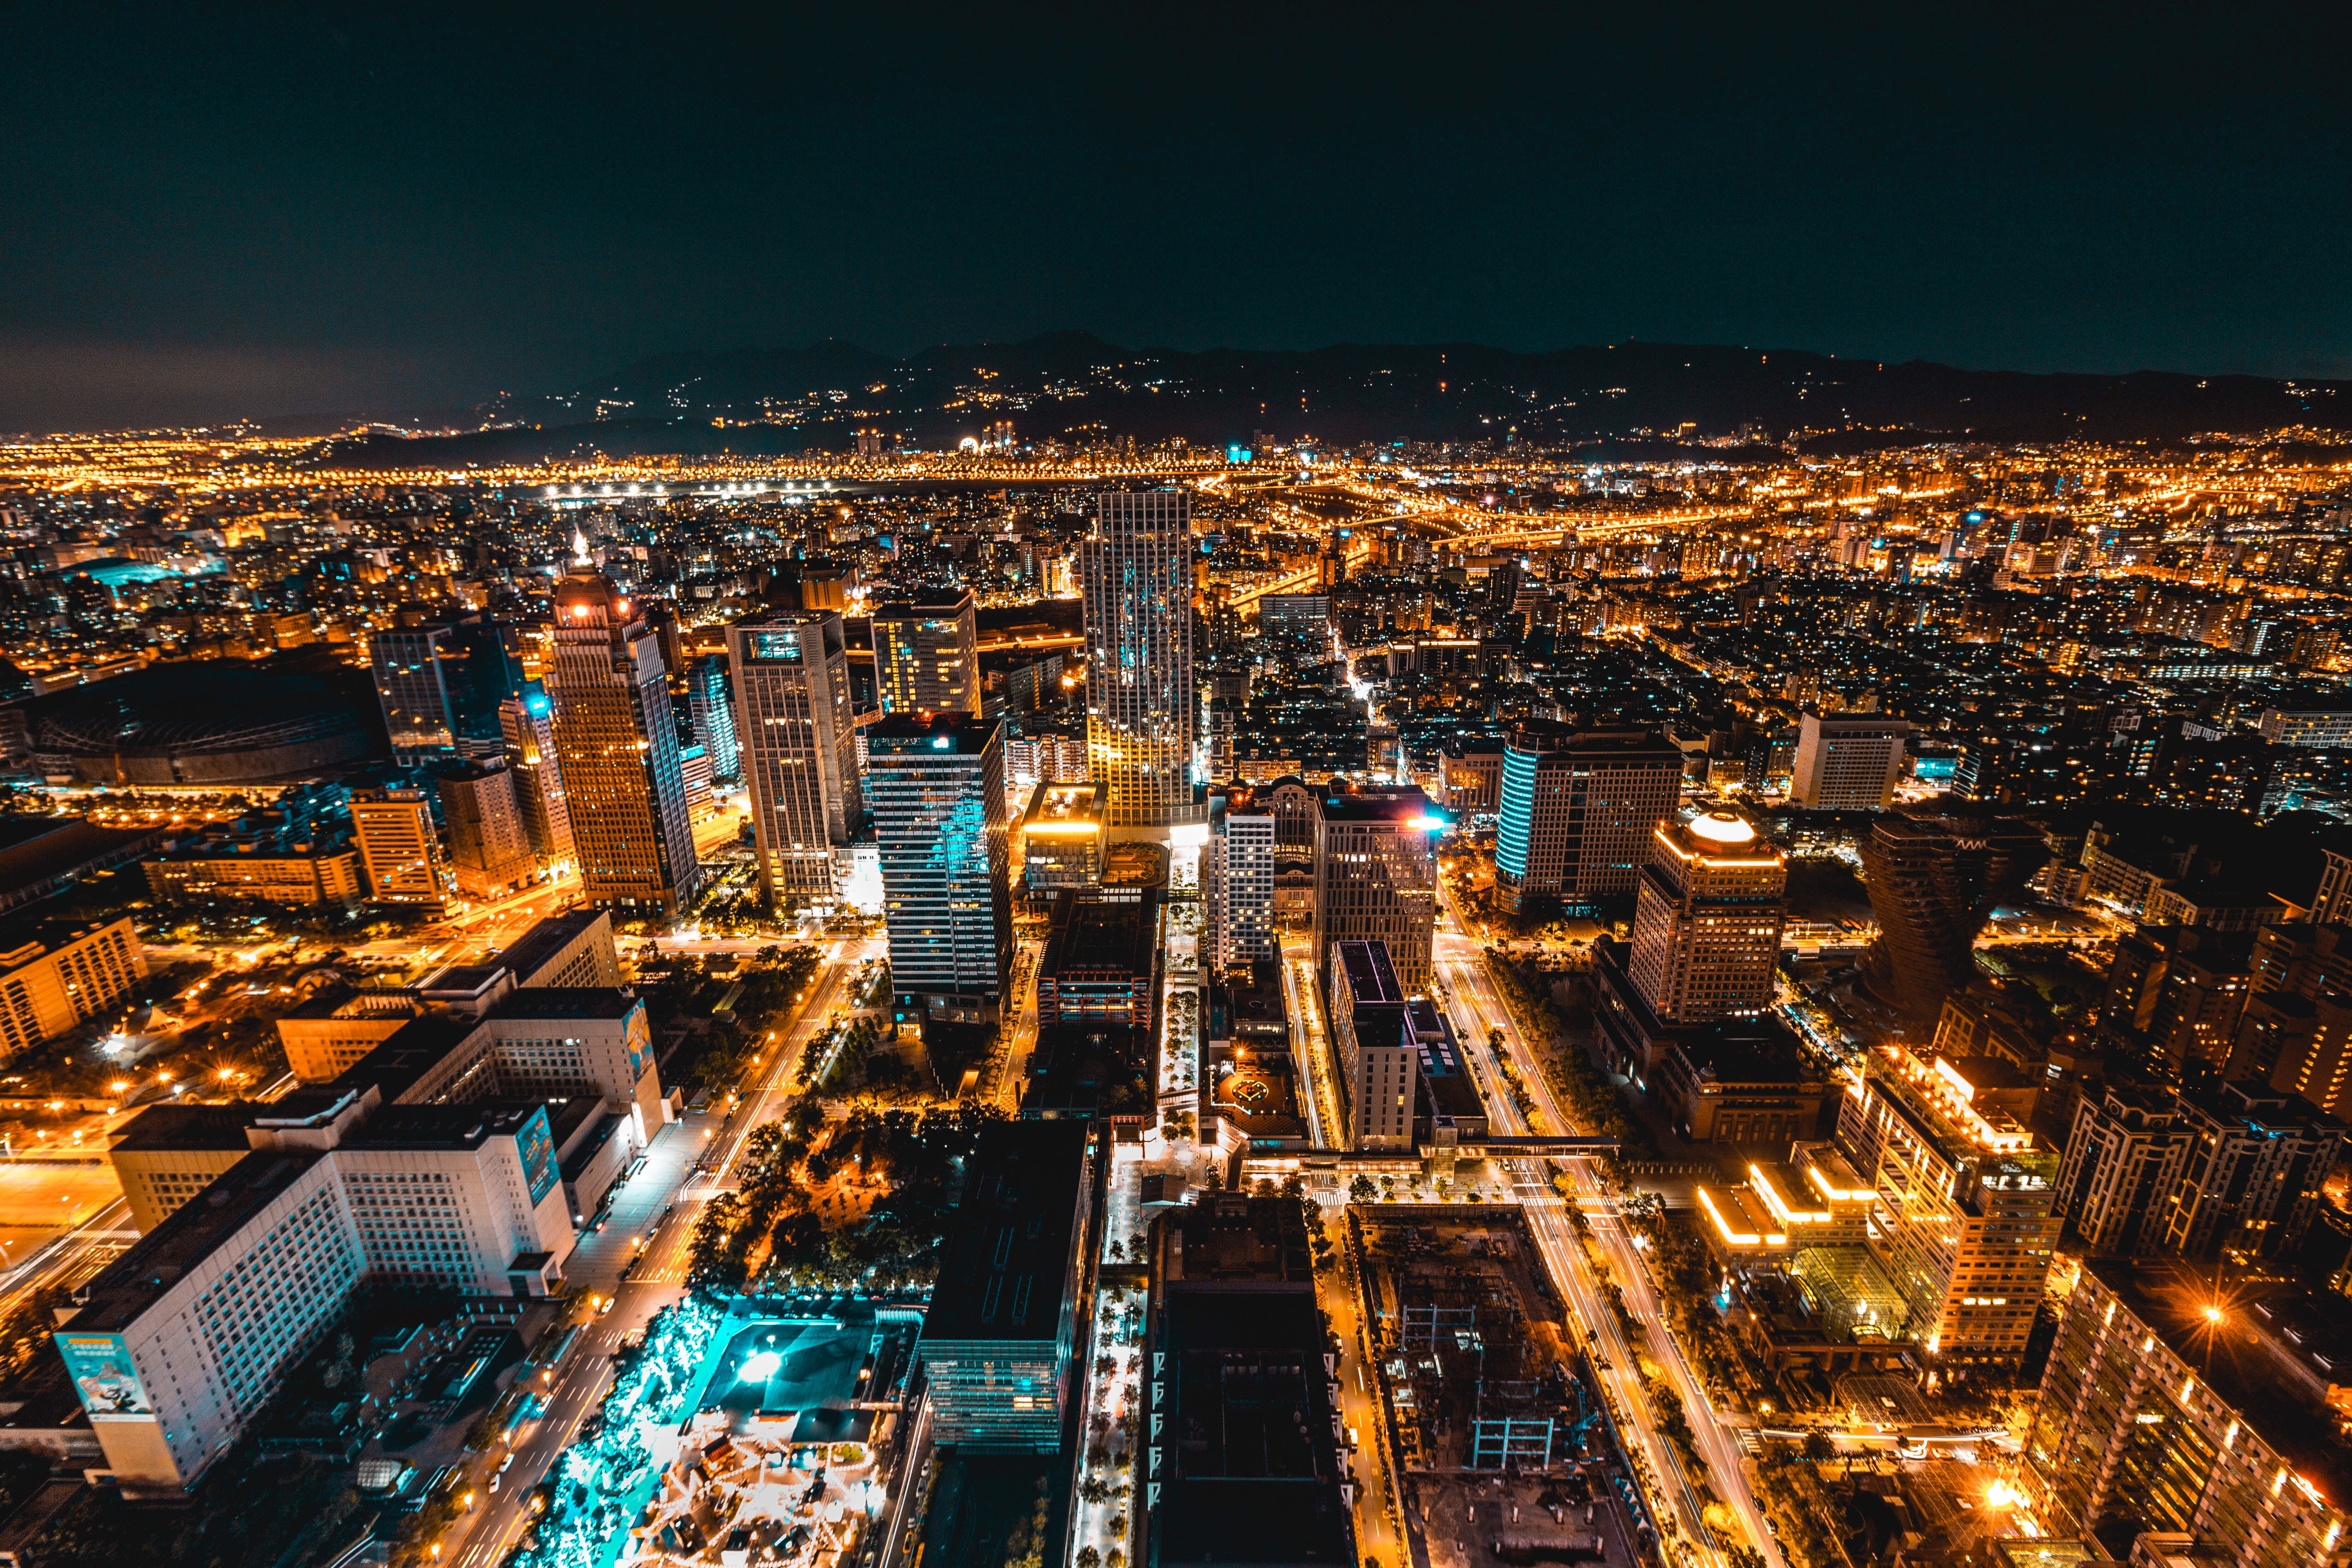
1936	873
206	723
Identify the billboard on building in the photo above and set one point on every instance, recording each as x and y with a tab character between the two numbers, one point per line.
536	1143
638	1035
100	1365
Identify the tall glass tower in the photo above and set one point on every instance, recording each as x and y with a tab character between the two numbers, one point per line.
935	787
1135	569
616	747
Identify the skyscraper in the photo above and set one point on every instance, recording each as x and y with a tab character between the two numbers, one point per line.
1376	878
1578	809
1706	920
927	657
713	716
799	746
528	722
616	746
1934	873
1136	571
399	846
441	686
489	848
1237	881
936	788
1848	763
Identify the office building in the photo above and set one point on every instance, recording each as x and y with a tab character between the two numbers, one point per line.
528	722
441	686
1136	567
1470	771
711	712
490	847
329	1032
178	1345
399	847
1578	809
616	747
1102	962
167	1153
1304	618
1237	882
927	657
1062	840
2330	729
936	788
997	1348
1966	1229
1376	877
1241	1416
1373	1036
1847	763
1708	917
796	731
2176	1420
1934	873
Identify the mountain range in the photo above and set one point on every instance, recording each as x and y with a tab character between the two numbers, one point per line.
1073	387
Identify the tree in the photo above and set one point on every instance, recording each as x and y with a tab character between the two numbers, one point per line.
1361	1190
1817	1445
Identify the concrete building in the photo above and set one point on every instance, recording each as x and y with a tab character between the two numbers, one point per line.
57	975
927	657
528	722
1237	882
489	846
1062	840
295	877
1966	1231
1847	763
617	748
1578	809
1136	567
1376	877
2251	1181
400	847
2330	729
1708	917
1934	873
997	1350
1101	963
936	788
328	1034
2141	1430
795	729
1373	1036
1470	774
2121	1168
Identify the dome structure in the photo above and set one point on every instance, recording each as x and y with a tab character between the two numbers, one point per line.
210	722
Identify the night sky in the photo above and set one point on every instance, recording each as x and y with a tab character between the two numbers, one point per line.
391	209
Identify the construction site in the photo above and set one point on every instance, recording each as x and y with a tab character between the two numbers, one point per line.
1507	1455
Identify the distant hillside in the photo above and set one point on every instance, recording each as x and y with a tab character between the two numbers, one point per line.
1072	386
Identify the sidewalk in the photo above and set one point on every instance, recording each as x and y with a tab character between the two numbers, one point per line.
637	1203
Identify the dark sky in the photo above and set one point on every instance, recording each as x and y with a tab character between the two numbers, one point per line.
252	212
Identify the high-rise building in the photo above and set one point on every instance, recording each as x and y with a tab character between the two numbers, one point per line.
927	657
1376	877
1237	882
529	724
2121	1168
712	714
2157	1416
1965	1230
1847	763
1708	917
799	746
1136	571
935	787
441	686
2250	1183
1379	1052
616	747
490	847
1934	873
399	846
1578	809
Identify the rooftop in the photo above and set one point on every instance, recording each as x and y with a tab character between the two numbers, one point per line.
157	1261
536	947
1371	973
954	734
161	1127
442	1127
566	1002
